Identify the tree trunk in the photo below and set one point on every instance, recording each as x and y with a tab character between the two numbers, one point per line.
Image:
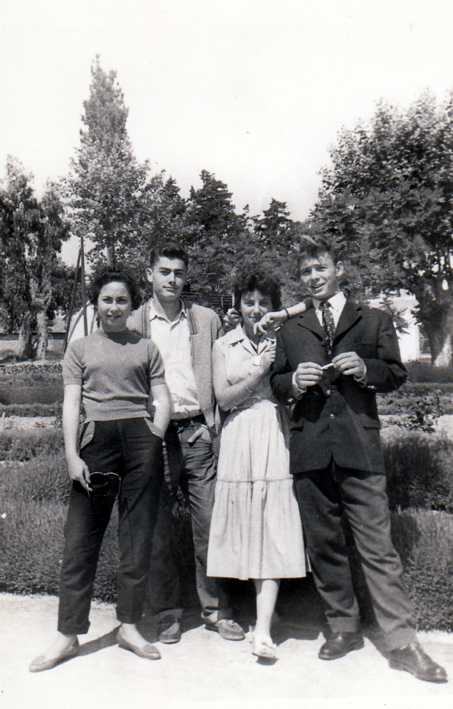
439	331
43	334
24	348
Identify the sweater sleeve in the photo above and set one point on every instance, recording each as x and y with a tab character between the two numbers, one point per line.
73	363
156	364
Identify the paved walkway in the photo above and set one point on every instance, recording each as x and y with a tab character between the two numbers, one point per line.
202	670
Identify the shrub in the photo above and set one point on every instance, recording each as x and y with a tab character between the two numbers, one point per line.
415	396
419	472
30	372
424	541
42	479
426	372
25	445
40	393
31	548
31	409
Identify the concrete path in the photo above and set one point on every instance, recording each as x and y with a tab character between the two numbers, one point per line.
202	670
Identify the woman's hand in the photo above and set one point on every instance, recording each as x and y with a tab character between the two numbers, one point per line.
79	472
268	354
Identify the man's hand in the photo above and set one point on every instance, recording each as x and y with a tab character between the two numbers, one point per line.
231	318
78	471
271	321
307	374
351	365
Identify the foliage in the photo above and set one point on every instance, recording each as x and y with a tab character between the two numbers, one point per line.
419	401
386	200
23	446
107	189
424	541
32	233
422	413
419	472
41	478
30	410
425	372
31	547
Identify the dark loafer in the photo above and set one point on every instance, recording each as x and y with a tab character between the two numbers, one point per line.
339	644
147	651
42	663
227	628
169	630
412	658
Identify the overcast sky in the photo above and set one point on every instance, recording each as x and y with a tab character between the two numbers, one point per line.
252	90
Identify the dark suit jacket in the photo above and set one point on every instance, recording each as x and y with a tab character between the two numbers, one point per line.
338	418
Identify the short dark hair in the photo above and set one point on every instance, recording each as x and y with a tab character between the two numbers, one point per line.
119	275
313	246
169	250
261	280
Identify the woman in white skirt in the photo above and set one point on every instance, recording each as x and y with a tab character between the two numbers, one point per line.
256	530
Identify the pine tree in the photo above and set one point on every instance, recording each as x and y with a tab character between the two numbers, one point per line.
107	189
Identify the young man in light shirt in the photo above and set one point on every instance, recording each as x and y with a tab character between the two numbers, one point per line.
184	334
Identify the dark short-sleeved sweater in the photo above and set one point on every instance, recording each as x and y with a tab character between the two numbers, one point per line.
115	371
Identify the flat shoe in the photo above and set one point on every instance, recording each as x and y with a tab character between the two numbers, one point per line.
264	651
41	663
148	651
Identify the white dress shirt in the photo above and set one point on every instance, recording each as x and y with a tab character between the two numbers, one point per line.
172	337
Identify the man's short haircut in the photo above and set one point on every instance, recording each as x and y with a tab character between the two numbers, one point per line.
248	280
169	250
314	246
105	276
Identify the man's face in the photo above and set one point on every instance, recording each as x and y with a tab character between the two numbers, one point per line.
168	277
320	275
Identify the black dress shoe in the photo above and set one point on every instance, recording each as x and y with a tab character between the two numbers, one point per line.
414	659
339	644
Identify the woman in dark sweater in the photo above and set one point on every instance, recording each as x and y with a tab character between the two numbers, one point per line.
113	373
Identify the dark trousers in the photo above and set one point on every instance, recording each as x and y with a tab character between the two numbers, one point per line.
323	496
129	449
191	466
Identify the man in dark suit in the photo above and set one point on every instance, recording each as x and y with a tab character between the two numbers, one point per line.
330	363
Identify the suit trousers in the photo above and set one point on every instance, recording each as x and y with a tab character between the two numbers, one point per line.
190	468
132	454
324	496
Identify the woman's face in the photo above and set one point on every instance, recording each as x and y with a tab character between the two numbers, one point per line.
254	305
114	306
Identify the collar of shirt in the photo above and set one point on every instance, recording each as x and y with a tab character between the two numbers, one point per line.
337	303
238	335
156	311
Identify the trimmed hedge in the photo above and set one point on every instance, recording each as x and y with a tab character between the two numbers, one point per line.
424	541
25	445
415	395
31	409
426	372
31	547
419	472
42	479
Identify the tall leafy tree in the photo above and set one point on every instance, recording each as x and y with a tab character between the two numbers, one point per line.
32	232
107	189
387	198
217	233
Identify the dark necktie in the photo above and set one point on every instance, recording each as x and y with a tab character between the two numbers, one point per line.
328	324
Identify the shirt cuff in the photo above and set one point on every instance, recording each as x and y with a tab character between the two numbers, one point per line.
298	391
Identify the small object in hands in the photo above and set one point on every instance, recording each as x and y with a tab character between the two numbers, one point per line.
327	366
